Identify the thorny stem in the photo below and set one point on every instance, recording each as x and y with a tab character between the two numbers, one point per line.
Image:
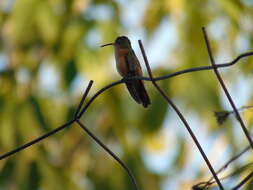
171	103
225	89
130	174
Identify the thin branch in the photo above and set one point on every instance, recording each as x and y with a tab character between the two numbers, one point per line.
231	160
245	108
22	147
206	185
177	73
83	98
225	89
86	130
79	113
120	82
97	94
130	174
248	177
195	69
210	182
95	138
171	103
221	116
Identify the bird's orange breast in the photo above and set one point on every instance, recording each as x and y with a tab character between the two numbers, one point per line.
120	56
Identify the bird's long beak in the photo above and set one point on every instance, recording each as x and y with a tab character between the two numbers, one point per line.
110	44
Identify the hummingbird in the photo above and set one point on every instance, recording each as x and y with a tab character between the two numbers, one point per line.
128	65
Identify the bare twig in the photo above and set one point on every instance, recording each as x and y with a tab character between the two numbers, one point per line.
206	185
130	174
245	108
171	103
50	132
22	147
86	130
79	113
83	98
97	94
95	138
210	182
225	89
195	69
221	116
248	177
231	160
120	82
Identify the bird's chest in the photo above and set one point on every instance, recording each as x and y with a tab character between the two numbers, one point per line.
121	61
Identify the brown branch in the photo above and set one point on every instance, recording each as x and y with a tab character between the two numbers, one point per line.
187	126
231	160
195	69
130	174
86	130
225	89
97	94
83	98
221	116
247	178
99	142
24	146
79	113
177	73
210	182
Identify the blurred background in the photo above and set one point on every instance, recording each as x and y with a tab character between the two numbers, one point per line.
49	50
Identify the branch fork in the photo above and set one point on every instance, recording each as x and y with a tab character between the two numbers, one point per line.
82	109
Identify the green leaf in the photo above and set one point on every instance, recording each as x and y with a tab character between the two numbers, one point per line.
38	113
70	71
7	172
32	178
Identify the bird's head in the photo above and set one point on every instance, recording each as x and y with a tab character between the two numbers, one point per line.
120	42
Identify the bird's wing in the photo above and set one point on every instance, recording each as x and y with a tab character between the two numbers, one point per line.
133	64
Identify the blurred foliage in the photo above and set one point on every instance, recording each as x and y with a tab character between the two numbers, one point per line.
50	49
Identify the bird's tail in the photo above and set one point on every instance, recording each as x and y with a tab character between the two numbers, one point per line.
138	92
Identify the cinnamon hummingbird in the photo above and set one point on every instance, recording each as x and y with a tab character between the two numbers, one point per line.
128	65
